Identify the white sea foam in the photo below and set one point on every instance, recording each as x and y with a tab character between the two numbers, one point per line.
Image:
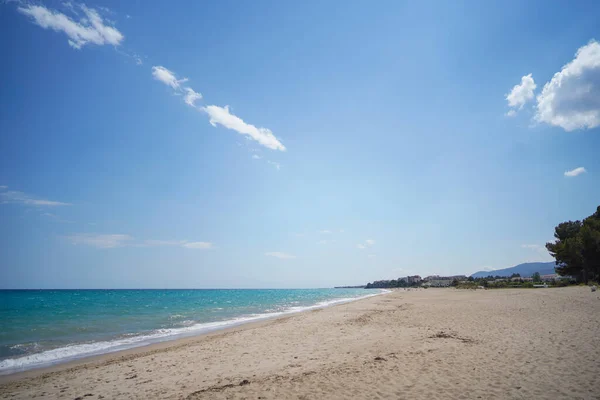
81	350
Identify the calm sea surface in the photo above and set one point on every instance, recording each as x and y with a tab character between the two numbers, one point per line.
45	327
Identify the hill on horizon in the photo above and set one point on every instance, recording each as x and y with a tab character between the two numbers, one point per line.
525	270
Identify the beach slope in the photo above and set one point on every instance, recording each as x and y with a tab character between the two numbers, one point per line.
419	344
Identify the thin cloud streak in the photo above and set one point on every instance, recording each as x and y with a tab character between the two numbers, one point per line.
109	241
222	116
16	197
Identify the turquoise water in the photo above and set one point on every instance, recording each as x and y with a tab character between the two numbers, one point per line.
45	327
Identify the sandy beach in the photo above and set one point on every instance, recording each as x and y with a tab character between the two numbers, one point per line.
418	344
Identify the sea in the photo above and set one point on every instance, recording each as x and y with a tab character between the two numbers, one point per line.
40	328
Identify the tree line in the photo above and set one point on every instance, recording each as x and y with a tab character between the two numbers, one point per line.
394	283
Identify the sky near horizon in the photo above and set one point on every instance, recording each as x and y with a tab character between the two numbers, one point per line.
290	144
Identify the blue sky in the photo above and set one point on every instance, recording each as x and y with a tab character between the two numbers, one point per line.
361	141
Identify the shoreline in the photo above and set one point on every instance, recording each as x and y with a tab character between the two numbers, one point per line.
418	344
175	340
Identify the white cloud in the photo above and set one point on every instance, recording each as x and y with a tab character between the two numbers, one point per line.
520	94
191	97
100	241
370	242
571	99
278	254
12	196
198	245
361	246
488	268
325	232
511	113
167	77
575	172
222	116
88	30
256	157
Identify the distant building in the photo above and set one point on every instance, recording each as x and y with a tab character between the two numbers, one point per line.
519	279
439	282
549	277
413	279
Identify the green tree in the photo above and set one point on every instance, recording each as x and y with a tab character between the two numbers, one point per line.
536	277
577	248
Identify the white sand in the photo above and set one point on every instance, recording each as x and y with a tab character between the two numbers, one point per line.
426	344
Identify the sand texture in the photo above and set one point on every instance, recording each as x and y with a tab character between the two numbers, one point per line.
422	344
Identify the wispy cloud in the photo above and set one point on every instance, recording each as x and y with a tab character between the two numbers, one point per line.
198	245
575	172
367	243
69	6
520	94
100	241
325	232
222	116
167	77
280	255
107	241
12	196
571	99
90	29
256	157
55	217
218	115
191	97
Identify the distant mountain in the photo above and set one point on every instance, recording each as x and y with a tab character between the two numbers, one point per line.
526	270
